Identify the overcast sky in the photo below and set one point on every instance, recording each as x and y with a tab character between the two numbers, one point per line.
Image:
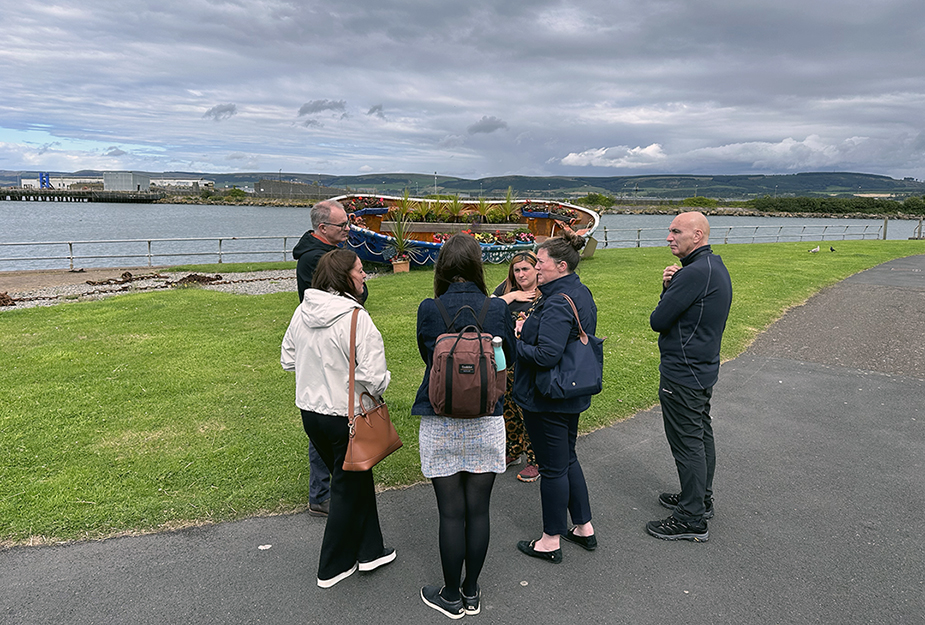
471	89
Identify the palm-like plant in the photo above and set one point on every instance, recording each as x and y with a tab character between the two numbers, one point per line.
508	207
401	247
483	209
454	209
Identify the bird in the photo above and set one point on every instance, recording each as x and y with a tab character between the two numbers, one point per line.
831	249
814	250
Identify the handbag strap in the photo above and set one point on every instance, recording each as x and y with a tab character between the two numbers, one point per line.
582	335
353	365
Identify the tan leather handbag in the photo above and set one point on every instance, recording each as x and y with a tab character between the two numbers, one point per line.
372	435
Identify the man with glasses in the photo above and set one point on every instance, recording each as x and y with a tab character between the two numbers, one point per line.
331	229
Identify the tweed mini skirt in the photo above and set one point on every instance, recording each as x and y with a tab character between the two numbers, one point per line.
450	445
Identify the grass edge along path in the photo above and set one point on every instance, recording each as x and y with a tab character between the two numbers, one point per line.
159	410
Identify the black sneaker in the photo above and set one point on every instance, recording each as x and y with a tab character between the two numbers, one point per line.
671	501
673	529
433	596
471	604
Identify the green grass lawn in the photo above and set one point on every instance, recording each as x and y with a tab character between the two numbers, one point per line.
159	409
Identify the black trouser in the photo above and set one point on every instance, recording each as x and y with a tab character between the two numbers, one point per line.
352	531
689	430
563	489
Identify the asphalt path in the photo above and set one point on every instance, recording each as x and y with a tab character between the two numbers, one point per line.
820	495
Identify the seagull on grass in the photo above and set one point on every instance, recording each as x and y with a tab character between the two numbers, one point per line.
814	250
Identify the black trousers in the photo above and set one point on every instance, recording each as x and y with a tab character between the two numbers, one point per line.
563	490
352	533
689	430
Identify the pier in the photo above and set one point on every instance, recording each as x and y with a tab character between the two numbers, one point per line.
83	195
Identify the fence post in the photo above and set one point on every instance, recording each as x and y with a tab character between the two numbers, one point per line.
885	222
219	251
149	253
70	254
638	237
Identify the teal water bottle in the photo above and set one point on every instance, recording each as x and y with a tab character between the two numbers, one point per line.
500	363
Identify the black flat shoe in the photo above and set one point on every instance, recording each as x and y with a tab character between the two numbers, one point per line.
589	543
526	547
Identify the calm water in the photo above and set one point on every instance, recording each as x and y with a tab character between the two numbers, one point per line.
54	223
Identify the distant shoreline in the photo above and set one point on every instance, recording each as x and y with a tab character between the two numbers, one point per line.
640	209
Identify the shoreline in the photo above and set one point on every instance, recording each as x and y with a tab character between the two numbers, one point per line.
635	209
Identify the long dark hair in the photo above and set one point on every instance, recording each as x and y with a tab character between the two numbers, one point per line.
333	273
565	247
460	259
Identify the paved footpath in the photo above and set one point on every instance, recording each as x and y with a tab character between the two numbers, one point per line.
820	495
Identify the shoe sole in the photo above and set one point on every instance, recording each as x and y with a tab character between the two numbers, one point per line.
706	515
327	583
440	609
528	480
695	538
372	565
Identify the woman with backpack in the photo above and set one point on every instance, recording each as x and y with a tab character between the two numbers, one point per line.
461	456
553	423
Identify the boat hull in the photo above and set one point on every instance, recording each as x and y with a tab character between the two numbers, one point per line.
378	247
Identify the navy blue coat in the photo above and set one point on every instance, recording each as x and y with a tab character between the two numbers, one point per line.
690	319
543	338
498	322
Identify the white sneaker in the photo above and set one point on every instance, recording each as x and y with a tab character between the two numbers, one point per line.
372	565
327	583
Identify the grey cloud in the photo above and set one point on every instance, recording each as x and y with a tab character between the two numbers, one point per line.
220	112
319	106
487	125
115	151
600	86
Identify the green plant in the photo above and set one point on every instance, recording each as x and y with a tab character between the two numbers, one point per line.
454	209
482	209
235	194
508	208
401	247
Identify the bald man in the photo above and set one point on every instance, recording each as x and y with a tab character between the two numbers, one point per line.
690	319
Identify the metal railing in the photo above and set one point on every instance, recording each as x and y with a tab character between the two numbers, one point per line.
654	237
147	249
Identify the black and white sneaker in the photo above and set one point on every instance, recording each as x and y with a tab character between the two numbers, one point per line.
472	605
673	529
671	501
387	556
433	596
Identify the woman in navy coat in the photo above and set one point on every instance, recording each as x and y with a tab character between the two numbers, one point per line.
553	423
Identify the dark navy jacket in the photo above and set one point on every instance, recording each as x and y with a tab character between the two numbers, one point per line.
308	251
498	322
543	338
691	317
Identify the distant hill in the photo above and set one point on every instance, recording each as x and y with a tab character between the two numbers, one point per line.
813	184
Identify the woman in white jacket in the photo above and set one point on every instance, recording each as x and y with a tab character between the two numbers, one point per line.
317	348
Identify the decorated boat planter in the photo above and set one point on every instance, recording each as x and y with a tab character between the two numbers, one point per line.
383	228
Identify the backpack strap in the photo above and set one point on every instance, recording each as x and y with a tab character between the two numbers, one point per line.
451	324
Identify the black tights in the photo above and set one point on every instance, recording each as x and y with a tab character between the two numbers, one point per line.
462	500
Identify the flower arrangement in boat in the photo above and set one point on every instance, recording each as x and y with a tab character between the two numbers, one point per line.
356	203
492	238
565	214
